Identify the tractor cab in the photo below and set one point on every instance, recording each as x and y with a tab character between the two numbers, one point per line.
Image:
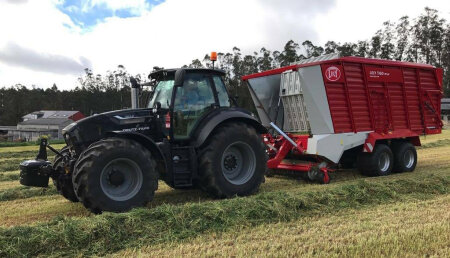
186	96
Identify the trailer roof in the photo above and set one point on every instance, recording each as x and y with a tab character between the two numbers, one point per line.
350	59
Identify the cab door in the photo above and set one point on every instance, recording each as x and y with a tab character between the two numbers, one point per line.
192	101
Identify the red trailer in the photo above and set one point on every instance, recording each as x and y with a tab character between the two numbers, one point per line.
332	110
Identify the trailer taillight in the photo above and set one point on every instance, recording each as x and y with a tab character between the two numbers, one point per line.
168	120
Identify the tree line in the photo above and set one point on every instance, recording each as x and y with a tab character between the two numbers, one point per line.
424	39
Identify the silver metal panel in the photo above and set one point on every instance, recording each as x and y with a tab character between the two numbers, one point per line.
265	94
319	58
291	93
331	146
316	101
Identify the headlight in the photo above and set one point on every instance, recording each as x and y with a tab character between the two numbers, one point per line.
67	128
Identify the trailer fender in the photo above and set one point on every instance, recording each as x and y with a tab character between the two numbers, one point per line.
405	134
223	116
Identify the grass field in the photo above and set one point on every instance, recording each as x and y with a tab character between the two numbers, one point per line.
403	215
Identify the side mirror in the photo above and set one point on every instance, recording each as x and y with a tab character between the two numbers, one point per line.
179	77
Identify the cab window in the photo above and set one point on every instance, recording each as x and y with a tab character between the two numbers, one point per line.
224	101
192	101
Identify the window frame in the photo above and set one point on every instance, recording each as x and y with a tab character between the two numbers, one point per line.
216	105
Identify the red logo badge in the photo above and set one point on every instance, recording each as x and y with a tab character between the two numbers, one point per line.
333	73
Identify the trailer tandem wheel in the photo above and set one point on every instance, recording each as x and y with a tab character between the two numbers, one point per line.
378	163
405	156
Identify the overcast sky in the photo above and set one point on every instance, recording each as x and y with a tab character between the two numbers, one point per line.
52	41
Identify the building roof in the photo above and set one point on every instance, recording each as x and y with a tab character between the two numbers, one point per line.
46	121
445	104
51	114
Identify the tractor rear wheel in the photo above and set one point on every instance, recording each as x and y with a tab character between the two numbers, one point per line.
63	180
232	161
378	163
405	156
116	175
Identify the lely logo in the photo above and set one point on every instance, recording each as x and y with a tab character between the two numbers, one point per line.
333	73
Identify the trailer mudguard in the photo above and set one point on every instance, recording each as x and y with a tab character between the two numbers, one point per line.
215	119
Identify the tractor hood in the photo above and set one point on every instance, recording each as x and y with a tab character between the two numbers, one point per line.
88	130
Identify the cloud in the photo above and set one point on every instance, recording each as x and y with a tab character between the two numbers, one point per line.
137	6
177	31
14	1
42	35
16	55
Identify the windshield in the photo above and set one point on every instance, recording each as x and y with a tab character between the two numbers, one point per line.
162	94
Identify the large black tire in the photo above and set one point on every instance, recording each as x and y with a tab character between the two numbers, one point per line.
405	157
378	163
63	181
116	175
232	161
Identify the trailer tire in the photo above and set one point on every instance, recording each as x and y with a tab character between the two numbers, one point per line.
115	175
405	157
378	163
63	181
232	161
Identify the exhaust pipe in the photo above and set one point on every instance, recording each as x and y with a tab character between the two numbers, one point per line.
134	93
134	98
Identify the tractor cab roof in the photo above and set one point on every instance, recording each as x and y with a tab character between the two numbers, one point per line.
170	72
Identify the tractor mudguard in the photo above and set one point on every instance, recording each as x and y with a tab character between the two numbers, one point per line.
148	143
213	120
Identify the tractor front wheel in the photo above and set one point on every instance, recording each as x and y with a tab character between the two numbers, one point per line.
63	180
116	175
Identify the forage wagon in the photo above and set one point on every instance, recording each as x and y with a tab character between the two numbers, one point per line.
351	111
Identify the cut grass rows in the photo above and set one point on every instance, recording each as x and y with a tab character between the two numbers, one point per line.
21	192
24	155
410	228
437	143
25	149
431	161
9	176
107	233
10	164
179	218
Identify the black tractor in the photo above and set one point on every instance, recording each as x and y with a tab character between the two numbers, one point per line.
191	135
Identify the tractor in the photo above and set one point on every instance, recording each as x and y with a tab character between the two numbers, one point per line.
191	134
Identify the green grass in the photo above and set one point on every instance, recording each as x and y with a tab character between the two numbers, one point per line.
21	192
111	232
26	148
400	215
10	164
408	228
35	143
9	176
438	143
